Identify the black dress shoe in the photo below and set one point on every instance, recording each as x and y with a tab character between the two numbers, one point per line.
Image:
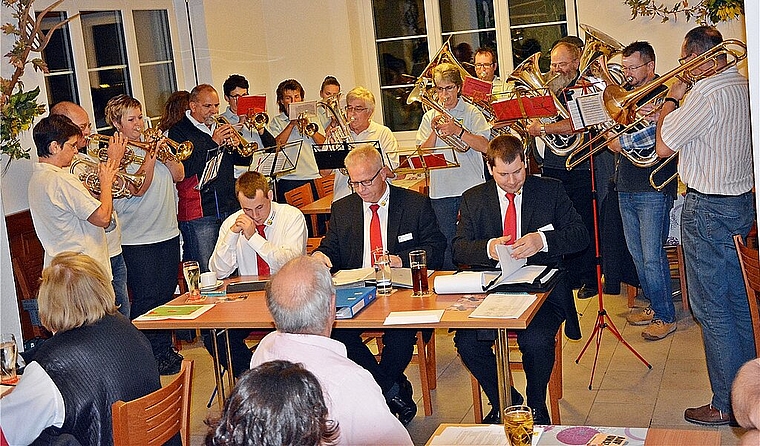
493	417
404	410
586	292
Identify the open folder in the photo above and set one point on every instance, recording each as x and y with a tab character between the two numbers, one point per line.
513	272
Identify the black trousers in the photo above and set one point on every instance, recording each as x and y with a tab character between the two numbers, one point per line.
152	279
241	354
398	348
537	347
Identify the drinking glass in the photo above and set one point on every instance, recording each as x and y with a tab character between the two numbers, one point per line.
192	272
518	425
418	264
382	263
8	351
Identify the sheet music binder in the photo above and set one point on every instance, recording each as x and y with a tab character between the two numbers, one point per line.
211	169
273	161
425	159
333	155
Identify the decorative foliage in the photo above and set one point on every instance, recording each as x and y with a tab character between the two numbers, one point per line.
703	11
19	108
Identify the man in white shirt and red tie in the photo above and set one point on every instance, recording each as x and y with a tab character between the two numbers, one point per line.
257	240
400	220
537	218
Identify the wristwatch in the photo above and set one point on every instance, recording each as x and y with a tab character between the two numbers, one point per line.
673	100
543	130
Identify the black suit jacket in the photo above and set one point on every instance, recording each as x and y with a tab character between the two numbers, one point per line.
411	225
544	203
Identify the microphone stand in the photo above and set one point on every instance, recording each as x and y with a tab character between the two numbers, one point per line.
602	318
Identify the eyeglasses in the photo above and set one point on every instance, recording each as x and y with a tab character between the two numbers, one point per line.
446	89
560	65
235	97
634	68
365	183
350	108
483	65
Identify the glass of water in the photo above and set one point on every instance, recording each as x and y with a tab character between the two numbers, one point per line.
382	263
8	352
192	272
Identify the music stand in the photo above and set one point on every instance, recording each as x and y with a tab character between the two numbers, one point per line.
333	155
275	161
423	160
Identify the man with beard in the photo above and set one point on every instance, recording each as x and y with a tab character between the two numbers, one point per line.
565	60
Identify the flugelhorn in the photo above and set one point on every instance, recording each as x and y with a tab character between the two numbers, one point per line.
256	121
101	153
173	151
242	146
86	169
621	104
305	126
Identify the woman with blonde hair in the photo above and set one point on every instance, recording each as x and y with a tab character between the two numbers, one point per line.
95	357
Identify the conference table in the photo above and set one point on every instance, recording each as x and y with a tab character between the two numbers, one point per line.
251	312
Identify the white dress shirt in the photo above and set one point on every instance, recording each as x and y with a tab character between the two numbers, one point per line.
351	394
285	239
382	213
306	164
503	204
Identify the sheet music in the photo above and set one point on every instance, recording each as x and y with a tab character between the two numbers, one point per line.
587	110
211	170
504	305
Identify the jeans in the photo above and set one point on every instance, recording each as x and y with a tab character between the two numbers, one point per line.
199	239
716	286
646	221
119	283
446	212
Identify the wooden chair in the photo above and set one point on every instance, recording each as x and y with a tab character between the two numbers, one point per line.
300	197
555	380
750	264
677	269
424	357
158	416
325	185
312	243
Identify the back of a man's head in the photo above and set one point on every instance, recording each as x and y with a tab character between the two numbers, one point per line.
300	297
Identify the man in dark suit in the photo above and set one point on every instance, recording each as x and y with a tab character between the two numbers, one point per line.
537	218
406	223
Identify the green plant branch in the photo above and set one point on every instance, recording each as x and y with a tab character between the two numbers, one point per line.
703	11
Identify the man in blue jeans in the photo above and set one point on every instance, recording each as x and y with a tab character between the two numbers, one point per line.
644	210
710	130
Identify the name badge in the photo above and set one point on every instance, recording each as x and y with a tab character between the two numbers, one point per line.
405	237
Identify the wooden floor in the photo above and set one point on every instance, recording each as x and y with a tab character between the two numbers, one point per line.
624	391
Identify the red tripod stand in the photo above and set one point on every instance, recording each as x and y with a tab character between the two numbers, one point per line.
602	318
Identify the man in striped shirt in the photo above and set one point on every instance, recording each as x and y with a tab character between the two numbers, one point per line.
710	130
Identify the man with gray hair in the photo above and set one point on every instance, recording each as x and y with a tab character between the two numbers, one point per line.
301	299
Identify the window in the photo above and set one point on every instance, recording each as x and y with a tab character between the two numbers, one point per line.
409	32
156	60
61	79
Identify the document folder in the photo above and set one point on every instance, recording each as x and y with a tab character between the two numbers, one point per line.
350	301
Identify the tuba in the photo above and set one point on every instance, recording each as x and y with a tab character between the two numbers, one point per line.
241	145
530	78
86	169
598	43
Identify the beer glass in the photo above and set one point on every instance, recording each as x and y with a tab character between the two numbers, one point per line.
8	351
518	425
192	273
418	264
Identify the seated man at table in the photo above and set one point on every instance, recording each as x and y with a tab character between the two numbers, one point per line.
256	241
540	223
380	215
301	299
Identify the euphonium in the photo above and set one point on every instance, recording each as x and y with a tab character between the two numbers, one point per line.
419	94
86	169
621	104
241	145
173	151
597	43
306	127
342	132
529	74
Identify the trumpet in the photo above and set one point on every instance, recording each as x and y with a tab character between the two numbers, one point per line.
655	171
86	169
101	153
306	127
256	121
241	145
173	151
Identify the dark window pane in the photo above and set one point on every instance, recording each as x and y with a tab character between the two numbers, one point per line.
526	12
158	83
527	41
61	88
464	47
397	114
464	15
154	42
61	79
401	61
104	85
394	18
104	39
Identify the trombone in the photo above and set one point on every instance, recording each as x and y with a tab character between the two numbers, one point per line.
241	145
661	186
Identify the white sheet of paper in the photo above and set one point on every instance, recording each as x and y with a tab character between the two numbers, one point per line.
504	305
459	283
508	264
491	435
348	276
413	317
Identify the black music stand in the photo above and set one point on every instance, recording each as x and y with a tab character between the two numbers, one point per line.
276	160
333	155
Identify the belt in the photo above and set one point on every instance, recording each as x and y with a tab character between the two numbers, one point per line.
694	191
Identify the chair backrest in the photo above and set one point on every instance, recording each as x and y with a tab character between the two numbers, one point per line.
158	416
748	259
325	185
300	197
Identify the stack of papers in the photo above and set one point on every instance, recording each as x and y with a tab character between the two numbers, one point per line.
414	317
504	305
175	312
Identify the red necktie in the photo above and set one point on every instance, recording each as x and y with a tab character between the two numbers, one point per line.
263	266
510	220
375	236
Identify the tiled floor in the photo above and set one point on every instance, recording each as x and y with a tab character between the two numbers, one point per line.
624	391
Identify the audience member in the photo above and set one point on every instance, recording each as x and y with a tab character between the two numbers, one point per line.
277	403
301	299
95	358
